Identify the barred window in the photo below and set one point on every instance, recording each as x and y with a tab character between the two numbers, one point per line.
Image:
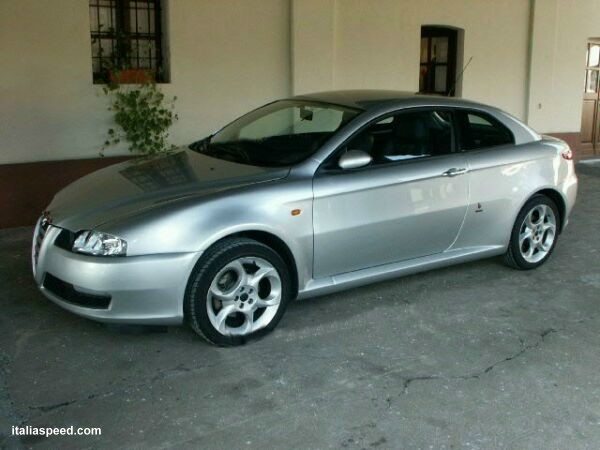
127	37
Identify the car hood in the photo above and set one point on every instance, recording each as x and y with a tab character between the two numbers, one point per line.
143	183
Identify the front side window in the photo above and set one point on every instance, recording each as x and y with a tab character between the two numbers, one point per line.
479	130
406	136
280	134
127	38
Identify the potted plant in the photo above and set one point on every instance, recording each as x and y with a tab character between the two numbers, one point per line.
131	76
142	115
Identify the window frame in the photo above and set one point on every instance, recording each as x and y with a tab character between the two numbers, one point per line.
305	102
325	168
122	37
485	115
430	32
589	69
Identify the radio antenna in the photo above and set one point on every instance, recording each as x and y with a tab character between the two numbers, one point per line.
459	76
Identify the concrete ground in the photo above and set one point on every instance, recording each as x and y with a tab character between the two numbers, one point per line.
471	356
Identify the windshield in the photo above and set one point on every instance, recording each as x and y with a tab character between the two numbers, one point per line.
279	134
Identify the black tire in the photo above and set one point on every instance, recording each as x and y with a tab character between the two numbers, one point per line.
513	257
215	258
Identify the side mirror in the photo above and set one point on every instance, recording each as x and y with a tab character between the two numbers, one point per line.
353	159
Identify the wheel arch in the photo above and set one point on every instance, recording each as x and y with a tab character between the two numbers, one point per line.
558	199
277	244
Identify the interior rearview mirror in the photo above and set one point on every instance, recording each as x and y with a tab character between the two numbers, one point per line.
353	159
306	114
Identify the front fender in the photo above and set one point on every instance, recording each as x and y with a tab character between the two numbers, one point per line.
191	225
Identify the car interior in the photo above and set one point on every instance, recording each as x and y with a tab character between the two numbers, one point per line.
477	131
406	136
427	133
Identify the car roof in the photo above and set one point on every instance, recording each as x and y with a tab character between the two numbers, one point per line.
368	99
374	102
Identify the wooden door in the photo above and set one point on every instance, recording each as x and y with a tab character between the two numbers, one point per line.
590	120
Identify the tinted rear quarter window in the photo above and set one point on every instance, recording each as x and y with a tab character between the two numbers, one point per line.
480	130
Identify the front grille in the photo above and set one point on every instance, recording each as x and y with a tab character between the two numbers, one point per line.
68	293
42	229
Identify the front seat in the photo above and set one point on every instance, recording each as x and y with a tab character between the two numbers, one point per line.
410	138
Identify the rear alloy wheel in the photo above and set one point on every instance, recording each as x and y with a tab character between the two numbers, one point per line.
534	234
239	289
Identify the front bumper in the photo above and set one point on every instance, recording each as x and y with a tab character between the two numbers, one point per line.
141	289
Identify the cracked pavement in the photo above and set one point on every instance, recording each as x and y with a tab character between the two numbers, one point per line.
474	356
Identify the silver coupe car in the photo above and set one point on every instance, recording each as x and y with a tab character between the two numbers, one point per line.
302	197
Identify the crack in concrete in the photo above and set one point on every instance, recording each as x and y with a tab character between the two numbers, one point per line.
479	374
51	407
180	369
295	405
162	374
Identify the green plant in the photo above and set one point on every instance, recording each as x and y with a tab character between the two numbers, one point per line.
143	117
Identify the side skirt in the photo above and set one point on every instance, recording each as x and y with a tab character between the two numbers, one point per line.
328	285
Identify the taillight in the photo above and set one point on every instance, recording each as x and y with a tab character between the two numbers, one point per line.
567	154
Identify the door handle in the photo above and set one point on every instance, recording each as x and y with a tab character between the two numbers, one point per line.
454	172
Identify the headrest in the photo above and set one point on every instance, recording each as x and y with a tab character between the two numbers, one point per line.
410	127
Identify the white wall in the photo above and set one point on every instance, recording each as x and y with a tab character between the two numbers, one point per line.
48	109
377	45
561	29
313	45
227	56
528	55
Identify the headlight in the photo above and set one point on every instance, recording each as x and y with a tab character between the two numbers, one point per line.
100	244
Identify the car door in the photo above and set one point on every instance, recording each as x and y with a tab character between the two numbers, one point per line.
410	201
499	176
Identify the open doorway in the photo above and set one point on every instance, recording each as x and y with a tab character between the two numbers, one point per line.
590	120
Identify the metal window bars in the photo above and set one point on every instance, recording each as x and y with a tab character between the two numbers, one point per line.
126	34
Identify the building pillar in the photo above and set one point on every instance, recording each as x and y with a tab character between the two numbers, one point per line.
542	35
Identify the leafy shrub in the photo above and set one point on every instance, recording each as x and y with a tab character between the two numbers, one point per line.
142	115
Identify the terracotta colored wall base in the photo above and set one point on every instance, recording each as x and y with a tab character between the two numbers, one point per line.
26	189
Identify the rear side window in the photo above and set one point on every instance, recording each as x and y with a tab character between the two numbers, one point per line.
479	130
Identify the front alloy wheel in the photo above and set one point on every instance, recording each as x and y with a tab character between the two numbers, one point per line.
239	289
244	296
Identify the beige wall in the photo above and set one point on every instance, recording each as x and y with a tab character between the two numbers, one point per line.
378	45
561	29
226	56
313	45
528	55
